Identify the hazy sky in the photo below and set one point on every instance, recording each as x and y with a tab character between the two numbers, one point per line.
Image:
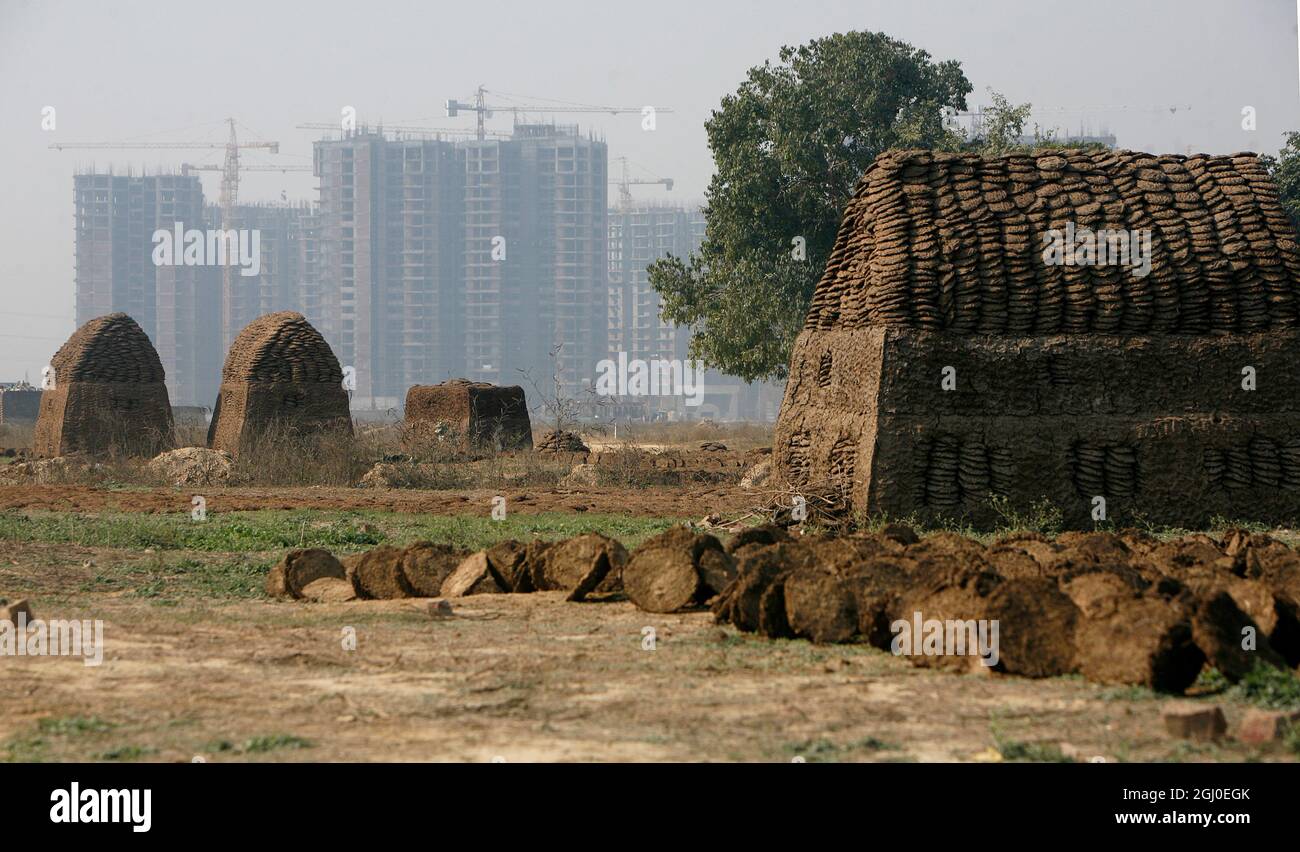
173	71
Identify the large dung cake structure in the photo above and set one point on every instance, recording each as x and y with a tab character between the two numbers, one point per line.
19	404
473	415
949	356
108	394
280	376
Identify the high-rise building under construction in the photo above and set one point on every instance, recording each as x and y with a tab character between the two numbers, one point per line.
389	261
640	234
535	258
483	258
176	304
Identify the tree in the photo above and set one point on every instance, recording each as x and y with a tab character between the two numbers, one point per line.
789	145
1003	126
1285	169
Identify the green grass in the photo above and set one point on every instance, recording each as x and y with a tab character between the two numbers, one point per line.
1292	739
1016	751
162	579
259	744
271	530
34	746
127	753
229	554
1020	751
1269	687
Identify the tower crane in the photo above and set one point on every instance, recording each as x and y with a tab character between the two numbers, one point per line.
186	168
483	110
625	193
229	188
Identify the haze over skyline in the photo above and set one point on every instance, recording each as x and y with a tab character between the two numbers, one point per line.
124	71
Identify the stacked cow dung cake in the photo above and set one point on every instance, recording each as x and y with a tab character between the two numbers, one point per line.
108	394
1107	331
468	415
280	374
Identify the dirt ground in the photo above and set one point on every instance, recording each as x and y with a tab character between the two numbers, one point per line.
514	678
650	501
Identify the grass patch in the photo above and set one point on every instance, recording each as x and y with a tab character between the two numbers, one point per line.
1209	682
1129	693
34	747
1269	687
162	581
1018	751
271	530
128	753
71	726
259	745
1021	751
1291	740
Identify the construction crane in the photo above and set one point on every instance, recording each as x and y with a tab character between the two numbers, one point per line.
229	189
483	110
624	191
186	168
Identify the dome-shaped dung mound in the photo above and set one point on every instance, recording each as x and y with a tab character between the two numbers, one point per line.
108	394
280	376
955	242
110	348
281	347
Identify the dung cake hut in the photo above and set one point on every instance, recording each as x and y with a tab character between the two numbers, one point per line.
280	375
956	362
108	394
471	415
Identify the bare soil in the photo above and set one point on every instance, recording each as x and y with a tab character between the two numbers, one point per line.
508	677
650	501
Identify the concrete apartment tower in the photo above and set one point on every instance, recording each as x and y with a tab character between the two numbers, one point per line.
177	306
389	242
535	257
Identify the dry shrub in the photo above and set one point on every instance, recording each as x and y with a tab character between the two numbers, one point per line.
191	435
278	454
737	436
16	436
630	467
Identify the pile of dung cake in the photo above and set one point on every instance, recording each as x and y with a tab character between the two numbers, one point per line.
561	441
582	567
108	394
1056	326
468	416
280	375
1116	608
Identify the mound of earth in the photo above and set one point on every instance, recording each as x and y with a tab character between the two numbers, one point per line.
562	441
192	466
60	469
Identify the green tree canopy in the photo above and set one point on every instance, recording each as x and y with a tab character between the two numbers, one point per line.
789	145
1285	169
